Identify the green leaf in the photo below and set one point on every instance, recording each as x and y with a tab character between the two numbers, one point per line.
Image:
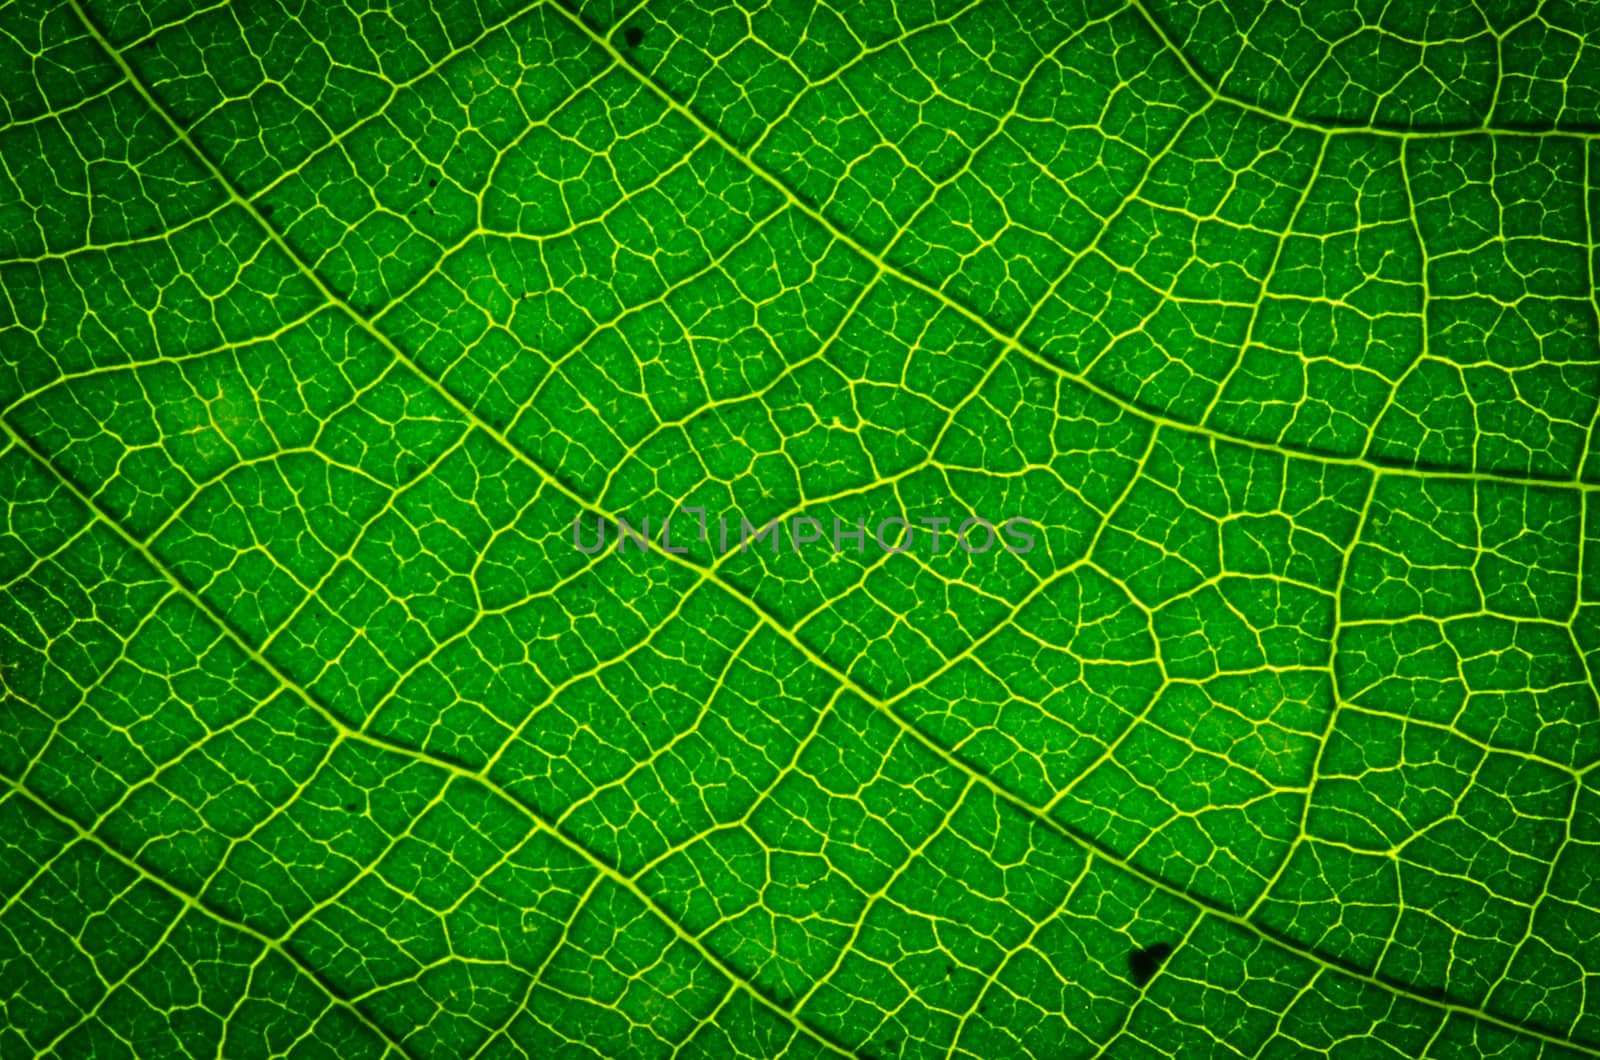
324	325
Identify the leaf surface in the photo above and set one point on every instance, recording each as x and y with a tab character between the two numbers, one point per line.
324	324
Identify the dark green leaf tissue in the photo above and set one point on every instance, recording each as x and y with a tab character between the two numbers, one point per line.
899	529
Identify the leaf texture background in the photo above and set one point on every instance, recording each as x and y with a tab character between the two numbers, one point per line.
322	322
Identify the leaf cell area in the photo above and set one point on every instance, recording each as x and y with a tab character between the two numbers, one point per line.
324	324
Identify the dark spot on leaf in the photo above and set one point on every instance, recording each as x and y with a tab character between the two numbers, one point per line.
632	36
1143	964
433	182
352	807
266	211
